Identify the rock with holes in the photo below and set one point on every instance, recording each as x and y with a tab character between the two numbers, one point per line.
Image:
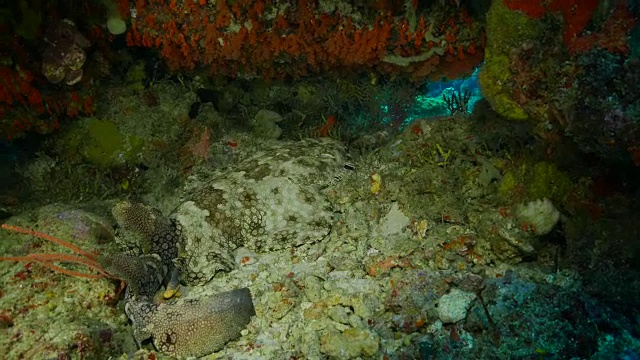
271	200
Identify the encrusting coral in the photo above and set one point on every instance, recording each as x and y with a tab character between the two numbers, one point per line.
273	39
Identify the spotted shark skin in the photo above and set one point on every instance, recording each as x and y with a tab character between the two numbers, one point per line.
271	200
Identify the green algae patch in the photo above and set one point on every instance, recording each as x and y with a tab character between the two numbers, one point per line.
101	143
542	180
506	30
136	77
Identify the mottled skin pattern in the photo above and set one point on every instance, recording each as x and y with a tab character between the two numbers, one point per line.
184	328
271	200
144	276
144	230
268	201
198	327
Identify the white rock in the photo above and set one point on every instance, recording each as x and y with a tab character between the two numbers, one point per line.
395	222
453	306
539	214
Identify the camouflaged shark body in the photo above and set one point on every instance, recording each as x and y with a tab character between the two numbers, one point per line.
270	200
179	327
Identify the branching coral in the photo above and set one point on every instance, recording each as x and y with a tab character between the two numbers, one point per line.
531	72
48	259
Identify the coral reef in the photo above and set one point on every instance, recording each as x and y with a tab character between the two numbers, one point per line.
404	272
274	39
559	82
25	108
506	30
250	39
535	181
45	44
314	179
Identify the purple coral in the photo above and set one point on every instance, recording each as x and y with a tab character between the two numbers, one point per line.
64	56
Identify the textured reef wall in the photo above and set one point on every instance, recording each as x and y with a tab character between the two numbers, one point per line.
569	67
282	38
78	45
429	255
296	163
